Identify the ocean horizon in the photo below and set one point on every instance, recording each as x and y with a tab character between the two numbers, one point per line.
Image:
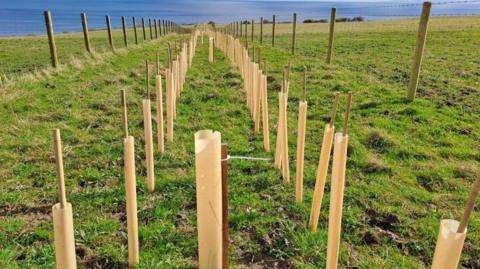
25	17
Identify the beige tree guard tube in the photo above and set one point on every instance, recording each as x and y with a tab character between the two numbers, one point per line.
209	198
160	133
322	172
210	49
452	235
258	98
336	199
169	103
62	216
254	91
302	121
449	245
147	118
175	88
131	197
266	130
278	145
285	161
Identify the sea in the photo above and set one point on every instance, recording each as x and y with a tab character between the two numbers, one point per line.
25	17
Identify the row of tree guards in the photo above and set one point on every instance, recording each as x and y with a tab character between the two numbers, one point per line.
240	29
62	212
156	28
451	235
211	164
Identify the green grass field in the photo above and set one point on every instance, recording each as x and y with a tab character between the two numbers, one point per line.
410	164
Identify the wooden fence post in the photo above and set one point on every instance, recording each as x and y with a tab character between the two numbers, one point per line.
246	30
253	28
294	32
241	30
135	30
51	38
261	30
273	30
85	31
417	58
124	29
330	36
143	28
150	27
109	30
159	27
156	30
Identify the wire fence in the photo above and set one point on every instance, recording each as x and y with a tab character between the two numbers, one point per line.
23	54
29	53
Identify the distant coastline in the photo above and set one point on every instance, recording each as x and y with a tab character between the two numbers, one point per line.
26	18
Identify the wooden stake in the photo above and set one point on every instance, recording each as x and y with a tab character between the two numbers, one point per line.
147	79
330	36
160	134
273	31
294	32
131	200
62	215
225	241
147	117
124	113
304	92
85	32
59	166
417	58
135	30
333	113
109	31
51	38
124	30
469	207
347	113
209	198
157	62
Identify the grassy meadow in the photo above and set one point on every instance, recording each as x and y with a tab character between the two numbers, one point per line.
410	164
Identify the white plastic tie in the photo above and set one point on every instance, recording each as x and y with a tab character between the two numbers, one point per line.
245	158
